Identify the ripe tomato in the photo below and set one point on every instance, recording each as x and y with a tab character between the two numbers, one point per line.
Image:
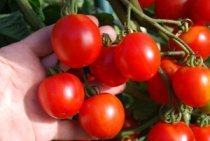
198	39
201	133
102	115
198	11
61	95
170	132
146	3
76	40
138	57
170	9
156	85
192	85
105	69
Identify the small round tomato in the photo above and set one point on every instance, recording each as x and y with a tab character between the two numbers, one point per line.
156	86
138	57
102	116
105	69
198	11
170	9
192	85
146	3
201	133
170	132
198	39
206	108
76	40
61	95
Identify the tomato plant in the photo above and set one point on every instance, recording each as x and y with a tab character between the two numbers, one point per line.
156	86
61	95
146	3
198	11
206	108
105	69
198	39
192	85
170	9
170	132
102	115
138	57
76	40
201	133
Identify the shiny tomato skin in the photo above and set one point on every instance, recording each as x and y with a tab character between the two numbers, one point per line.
170	132
192	85
61	95
102	116
146	3
170	9
156	85
105	69
199	11
201	133
138	57
76	40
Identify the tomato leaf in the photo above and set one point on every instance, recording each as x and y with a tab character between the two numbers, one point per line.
37	8
13	26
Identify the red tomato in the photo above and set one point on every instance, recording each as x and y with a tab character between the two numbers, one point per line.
105	69
102	116
201	133
76	40
170	9
156	85
198	39
199	11
170	132
138	57
192	85
61	95
146	3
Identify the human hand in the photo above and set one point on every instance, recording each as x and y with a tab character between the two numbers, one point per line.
23	65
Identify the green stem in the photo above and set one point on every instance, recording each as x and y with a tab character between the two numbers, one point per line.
173	22
173	53
69	7
144	126
153	22
29	14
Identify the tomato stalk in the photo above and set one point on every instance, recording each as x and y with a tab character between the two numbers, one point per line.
203	120
173	53
69	7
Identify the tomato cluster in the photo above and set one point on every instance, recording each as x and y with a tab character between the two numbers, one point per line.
77	42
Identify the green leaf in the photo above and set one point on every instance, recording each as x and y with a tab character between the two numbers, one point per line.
13	26
144	108
35	4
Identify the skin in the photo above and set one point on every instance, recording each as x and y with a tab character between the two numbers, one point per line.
23	65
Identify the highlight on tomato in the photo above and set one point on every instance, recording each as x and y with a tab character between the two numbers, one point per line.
61	95
76	40
138	56
102	116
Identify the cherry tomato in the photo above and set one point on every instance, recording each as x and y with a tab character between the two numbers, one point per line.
192	85
105	69
138	57
199	11
76	40
170	132
201	133
102	116
61	95
206	108
146	3
198	39
156	85
170	9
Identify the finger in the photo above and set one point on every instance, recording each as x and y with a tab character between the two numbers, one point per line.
107	89
110	31
39	42
49	61
70	130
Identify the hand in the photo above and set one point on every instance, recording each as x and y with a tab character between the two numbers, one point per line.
22	69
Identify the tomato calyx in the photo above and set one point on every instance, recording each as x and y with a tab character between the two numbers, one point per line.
106	40
170	115
203	120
